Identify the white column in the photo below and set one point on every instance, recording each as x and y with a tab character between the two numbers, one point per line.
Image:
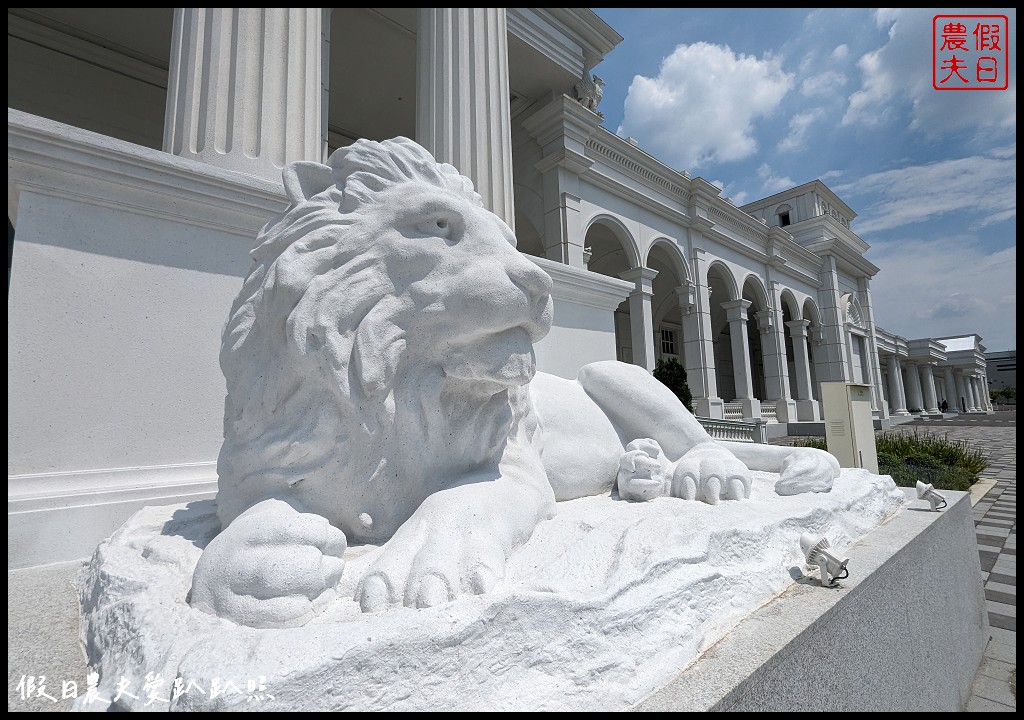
961	391
952	399
736	314
562	129
806	407
462	98
914	397
969	393
897	402
641	315
698	345
983	394
903	387
873	369
832	363
928	385
975	403
773	348
244	89
776	372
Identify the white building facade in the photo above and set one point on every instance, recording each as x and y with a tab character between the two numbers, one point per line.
145	148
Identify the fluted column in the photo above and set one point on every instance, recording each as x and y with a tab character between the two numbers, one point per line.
972	383
969	393
914	396
897	401
462	98
952	399
641	315
244	89
931	404
736	314
961	391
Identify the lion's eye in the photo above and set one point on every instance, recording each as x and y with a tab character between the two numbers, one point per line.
437	227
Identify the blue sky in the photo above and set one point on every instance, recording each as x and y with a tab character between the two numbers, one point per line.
758	100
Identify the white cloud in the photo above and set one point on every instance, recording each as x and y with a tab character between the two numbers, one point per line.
982	187
942	286
772	183
956	291
798	126
897	77
702	106
841	52
823	83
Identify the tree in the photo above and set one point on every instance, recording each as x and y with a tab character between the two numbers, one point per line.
673	376
1005	394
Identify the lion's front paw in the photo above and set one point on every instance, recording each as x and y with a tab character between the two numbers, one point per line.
644	471
427	564
710	473
807	470
272	567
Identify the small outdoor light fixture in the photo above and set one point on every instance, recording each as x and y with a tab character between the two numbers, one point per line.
816	550
925	491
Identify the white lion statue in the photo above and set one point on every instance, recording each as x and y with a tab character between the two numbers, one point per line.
382	388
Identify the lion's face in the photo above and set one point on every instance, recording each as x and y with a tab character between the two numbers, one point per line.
477	304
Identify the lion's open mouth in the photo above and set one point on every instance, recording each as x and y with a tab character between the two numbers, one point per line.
505	358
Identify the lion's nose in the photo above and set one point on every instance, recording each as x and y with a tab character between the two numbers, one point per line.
534	281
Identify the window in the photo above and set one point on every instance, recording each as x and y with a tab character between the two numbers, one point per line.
668	342
782	213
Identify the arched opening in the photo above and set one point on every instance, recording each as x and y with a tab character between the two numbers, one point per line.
665	305
782	215
757	318
611	254
790	312
722	289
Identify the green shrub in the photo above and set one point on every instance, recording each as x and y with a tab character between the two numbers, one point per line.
909	457
673	375
811	442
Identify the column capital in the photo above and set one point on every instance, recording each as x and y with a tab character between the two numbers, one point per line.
643	278
798	328
765	320
687	293
736	309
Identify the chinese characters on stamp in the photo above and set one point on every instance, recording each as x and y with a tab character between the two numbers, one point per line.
970	52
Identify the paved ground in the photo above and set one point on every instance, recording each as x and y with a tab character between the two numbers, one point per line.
995	520
994	499
42	607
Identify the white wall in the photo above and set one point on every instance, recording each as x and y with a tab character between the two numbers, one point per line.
583	330
126	261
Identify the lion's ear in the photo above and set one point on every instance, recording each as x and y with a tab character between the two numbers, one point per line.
304	179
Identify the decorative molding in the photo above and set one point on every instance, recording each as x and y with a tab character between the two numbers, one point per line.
60	160
584	287
58	517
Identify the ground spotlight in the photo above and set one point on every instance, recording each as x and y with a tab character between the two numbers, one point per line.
925	491
816	550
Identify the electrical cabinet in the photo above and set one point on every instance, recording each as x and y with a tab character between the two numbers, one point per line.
849	424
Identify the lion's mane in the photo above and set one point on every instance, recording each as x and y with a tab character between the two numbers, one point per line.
314	342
